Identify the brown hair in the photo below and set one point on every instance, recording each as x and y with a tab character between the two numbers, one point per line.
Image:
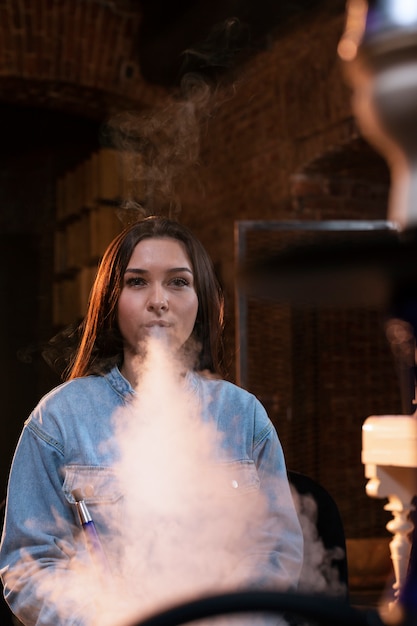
101	344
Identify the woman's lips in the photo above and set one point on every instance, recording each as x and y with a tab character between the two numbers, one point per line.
158	323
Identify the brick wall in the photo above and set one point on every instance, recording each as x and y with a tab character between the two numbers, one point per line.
75	56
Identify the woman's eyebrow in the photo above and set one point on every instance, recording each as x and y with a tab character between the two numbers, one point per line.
180	269
171	270
135	270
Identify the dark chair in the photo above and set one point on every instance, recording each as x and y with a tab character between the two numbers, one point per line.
328	523
6	617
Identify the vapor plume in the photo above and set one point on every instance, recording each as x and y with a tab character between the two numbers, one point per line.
161	146
177	529
180	530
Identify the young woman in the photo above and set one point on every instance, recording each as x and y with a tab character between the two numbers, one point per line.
155	281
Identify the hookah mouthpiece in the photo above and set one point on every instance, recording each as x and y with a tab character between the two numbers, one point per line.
92	539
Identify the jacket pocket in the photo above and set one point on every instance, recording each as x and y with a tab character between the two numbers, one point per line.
97	485
100	490
241	478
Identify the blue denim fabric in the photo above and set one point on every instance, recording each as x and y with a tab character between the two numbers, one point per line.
60	449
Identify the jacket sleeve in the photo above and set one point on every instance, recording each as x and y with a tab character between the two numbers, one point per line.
39	538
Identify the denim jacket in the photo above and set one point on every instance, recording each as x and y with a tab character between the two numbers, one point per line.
60	448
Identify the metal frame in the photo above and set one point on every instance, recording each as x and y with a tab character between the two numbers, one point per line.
241	229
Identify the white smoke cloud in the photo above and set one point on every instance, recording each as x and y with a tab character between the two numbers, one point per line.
181	530
183	533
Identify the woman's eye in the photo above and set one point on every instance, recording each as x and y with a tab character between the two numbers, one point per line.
134	281
180	282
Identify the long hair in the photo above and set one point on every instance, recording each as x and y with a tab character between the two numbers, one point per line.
101	344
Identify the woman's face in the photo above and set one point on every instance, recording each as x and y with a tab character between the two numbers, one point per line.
158	294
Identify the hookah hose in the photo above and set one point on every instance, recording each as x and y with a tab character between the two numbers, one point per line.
319	608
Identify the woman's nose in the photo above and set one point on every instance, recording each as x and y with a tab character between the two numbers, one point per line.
158	306
157	301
